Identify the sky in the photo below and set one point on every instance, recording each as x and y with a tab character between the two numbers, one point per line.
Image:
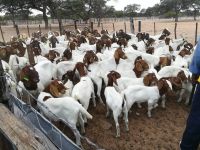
120	4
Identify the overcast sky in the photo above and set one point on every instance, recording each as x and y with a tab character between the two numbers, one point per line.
120	4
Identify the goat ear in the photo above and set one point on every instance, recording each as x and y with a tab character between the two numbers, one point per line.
145	65
57	54
146	80
116	55
75	67
138	67
54	91
160	84
114	79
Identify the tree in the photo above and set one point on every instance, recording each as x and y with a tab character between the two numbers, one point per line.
12	7
193	5
55	9
131	10
99	9
172	5
40	5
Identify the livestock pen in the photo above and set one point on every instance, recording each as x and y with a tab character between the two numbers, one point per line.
162	131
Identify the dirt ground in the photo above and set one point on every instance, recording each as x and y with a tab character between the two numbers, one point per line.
161	132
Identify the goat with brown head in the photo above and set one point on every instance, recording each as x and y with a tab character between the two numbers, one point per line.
55	88
140	66
81	68
112	78
164	61
53	40
67	54
70	75
150	50
184	52
52	55
29	76
163	87
119	54
89	58
188	46
122	41
150	79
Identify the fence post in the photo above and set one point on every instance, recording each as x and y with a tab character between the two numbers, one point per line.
132	25
125	27
196	33
2	34
28	30
17	30
30	55
4	94
75	25
91	26
139	25
102	26
113	27
154	28
39	28
50	27
175	30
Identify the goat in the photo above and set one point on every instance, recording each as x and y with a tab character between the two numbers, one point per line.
151	95
115	101
65	108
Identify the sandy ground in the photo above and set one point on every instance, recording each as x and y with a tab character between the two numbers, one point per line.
161	132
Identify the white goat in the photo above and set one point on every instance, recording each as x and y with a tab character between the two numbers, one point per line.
46	71
139	94
116	103
83	91
65	108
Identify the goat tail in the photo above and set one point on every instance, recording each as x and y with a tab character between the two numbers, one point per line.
84	111
124	99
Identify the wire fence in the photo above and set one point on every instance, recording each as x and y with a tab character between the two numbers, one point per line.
184	28
42	127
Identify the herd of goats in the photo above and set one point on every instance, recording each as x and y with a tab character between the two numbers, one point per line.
117	69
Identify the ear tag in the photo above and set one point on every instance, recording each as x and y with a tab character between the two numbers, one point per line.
26	78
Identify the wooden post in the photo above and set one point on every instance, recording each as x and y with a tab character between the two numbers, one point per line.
132	27
30	55
139	26
154	28
175	30
75	25
196	33
4	95
17	30
50	27
91	26
113	26
2	35
125	27
28	30
39	28
102	26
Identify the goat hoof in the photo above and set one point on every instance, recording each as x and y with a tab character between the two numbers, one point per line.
117	136
83	133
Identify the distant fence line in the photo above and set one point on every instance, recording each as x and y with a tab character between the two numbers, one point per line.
71	25
94	20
